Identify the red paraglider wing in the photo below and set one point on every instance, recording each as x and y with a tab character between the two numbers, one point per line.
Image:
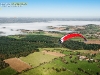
69	36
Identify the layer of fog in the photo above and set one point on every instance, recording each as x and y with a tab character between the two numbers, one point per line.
12	28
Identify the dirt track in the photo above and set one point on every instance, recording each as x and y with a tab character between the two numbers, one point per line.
17	64
53	53
92	42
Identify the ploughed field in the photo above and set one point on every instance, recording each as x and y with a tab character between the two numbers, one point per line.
17	64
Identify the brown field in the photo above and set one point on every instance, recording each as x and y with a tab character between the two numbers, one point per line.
53	53
89	51
92	52
92	42
17	64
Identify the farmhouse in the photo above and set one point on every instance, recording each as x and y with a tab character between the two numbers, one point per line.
82	58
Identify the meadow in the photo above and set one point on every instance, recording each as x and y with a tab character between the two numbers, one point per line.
60	65
37	58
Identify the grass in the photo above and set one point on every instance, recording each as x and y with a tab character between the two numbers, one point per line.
7	71
16	36
53	49
46	69
97	56
36	33
71	68
36	58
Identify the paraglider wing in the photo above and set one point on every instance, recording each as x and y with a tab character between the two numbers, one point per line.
69	36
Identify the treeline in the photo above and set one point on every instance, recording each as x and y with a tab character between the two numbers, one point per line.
76	45
12	47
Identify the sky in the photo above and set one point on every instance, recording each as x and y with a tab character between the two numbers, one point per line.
52	9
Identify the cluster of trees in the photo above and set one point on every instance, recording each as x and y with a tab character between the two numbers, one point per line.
76	45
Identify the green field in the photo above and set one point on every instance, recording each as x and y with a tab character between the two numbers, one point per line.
57	66
37	58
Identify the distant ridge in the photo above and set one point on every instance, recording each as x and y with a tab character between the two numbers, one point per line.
31	20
